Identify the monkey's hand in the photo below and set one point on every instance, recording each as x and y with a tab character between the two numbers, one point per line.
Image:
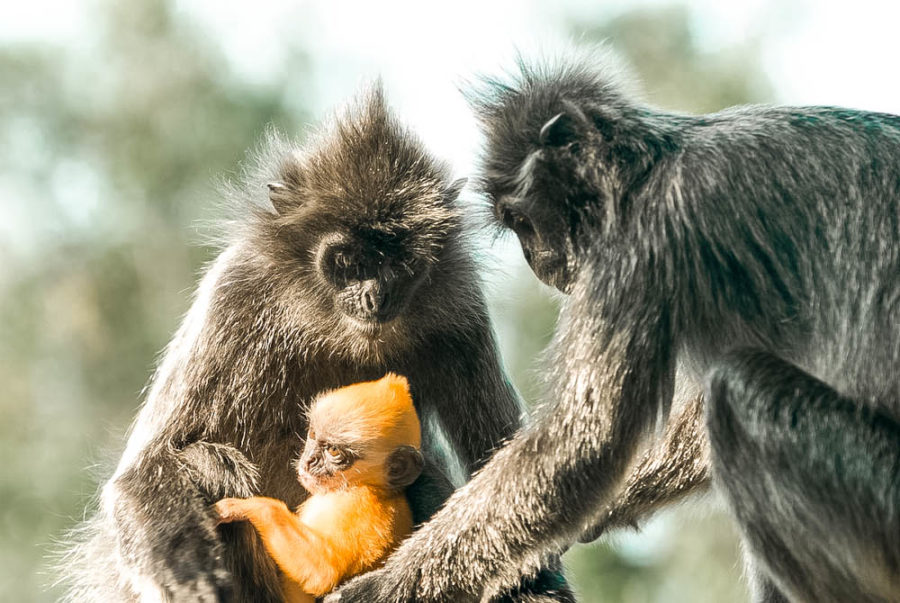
408	575
165	526
610	520
231	509
430	567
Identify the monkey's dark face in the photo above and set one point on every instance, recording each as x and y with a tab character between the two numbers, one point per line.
550	166
538	196
372	275
362	246
364	283
542	233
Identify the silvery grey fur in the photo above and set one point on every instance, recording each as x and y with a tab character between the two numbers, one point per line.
265	335
756	250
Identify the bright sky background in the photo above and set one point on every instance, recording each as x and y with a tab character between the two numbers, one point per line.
815	51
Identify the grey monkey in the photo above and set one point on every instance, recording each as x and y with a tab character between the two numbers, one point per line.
756	250
357	263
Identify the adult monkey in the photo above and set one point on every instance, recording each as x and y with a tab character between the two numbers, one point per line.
759	247
355	265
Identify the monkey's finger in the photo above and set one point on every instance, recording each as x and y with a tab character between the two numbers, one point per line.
228	510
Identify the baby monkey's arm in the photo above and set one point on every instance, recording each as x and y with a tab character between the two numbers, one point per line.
312	560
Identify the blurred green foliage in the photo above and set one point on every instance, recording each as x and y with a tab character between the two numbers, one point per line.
674	70
112	146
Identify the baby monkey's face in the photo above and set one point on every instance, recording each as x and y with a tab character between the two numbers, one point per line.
327	464
366	434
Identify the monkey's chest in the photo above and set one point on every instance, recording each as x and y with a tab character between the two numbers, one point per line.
278	475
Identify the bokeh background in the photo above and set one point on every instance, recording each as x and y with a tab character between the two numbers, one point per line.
117	118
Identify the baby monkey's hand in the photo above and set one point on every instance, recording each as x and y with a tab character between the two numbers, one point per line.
231	509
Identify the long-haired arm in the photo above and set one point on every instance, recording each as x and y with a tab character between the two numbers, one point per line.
538	492
673	469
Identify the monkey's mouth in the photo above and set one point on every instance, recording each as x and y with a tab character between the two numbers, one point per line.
554	271
313	483
371	328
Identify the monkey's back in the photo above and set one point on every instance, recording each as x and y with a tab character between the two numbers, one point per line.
805	202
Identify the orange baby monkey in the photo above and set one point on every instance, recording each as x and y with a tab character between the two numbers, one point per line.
361	452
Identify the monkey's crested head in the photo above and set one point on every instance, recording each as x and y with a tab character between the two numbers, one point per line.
556	136
363	238
367	433
572	95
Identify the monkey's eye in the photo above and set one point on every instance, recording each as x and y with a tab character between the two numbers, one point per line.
517	221
334	453
521	223
341	260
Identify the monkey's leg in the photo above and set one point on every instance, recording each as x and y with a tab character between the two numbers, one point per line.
812	478
675	468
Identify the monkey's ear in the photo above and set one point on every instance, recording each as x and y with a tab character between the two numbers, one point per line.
279	195
564	127
403	467
452	191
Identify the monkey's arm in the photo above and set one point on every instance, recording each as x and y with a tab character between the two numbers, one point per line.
158	537
159	506
538	491
477	409
345	540
671	470
471	398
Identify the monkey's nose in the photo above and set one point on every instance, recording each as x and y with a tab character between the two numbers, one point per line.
308	464
372	298
369	301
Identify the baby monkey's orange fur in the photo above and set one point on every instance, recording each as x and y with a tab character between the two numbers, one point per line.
361	451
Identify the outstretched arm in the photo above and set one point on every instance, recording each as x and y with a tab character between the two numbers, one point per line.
538	491
477	409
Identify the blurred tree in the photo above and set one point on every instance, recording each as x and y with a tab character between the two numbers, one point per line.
675	72
113	145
